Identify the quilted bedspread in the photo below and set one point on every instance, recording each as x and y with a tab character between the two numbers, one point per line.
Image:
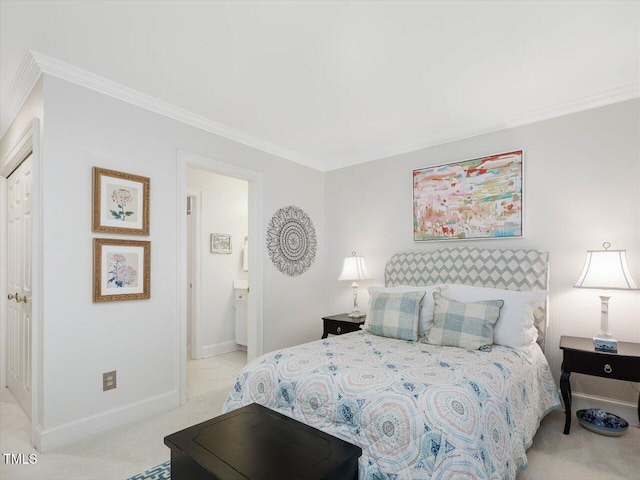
417	411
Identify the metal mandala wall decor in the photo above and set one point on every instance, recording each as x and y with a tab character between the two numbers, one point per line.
291	240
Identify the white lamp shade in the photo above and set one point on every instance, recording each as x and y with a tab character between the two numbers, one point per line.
607	270
354	269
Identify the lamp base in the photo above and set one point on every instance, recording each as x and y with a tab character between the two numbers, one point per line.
604	317
355	312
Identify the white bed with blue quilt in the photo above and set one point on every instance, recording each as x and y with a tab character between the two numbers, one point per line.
420	410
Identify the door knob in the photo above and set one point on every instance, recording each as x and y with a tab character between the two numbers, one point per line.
19	298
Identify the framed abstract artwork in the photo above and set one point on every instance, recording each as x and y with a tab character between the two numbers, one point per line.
472	199
121	269
220	243
120	202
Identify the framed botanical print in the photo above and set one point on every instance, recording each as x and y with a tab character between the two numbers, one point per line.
479	198
120	202
121	269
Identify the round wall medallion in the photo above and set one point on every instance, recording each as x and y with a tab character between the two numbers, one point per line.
291	240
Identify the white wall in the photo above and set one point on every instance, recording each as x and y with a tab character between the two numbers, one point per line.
225	209
32	108
137	338
582	188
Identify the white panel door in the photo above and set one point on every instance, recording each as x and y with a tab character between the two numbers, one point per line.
19	214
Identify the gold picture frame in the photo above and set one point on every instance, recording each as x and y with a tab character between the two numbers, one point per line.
121	269
120	202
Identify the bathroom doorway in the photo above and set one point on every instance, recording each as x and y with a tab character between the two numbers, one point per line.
220	270
217	279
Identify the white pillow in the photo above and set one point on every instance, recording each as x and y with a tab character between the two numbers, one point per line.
426	308
515	325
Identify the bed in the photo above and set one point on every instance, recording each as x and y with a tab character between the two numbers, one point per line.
420	411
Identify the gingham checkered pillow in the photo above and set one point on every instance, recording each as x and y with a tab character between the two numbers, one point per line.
395	315
465	325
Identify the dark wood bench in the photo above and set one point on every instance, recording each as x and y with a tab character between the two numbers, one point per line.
257	443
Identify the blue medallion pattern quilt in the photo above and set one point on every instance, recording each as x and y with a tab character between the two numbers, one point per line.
418	411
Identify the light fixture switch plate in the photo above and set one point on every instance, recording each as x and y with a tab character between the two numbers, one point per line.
108	381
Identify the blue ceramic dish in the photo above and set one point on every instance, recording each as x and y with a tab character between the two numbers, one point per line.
601	422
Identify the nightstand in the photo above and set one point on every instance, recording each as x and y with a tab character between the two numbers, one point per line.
339	324
579	356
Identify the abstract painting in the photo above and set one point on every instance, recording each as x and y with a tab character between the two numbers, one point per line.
472	199
121	269
120	202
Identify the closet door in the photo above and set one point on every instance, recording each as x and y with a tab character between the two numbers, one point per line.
19	293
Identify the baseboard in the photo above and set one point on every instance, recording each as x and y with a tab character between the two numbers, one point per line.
242	348
626	410
74	432
219	348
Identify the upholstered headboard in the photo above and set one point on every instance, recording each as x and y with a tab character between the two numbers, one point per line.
507	269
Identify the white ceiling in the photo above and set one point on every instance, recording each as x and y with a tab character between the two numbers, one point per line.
331	84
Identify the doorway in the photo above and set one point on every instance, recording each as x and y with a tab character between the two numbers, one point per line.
209	246
21	275
19	211
217	278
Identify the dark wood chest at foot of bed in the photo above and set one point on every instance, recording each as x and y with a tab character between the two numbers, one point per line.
256	443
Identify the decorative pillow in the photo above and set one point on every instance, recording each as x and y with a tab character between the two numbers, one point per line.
466	325
426	311
395	315
515	327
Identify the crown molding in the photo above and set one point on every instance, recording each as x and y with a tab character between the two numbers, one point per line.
545	113
25	79
36	63
39	63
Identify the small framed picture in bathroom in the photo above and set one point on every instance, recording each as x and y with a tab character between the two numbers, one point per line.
220	243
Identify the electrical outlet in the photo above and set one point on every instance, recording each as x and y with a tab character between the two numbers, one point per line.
108	381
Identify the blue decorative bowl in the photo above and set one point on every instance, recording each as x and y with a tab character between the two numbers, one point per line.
601	422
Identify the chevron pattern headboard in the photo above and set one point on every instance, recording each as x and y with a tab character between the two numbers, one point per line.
507	269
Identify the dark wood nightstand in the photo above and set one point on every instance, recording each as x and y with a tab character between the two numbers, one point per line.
579	356
339	324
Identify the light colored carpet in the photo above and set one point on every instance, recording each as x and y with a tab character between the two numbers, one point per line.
581	455
124	452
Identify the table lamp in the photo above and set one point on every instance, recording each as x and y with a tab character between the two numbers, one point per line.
354	269
606	270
